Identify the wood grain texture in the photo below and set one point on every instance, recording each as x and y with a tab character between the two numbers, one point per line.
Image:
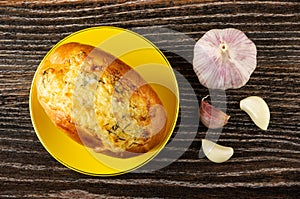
266	164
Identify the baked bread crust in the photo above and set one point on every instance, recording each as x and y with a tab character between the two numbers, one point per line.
99	101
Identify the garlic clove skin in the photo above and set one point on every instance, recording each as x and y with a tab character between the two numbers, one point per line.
224	59
212	117
258	111
215	152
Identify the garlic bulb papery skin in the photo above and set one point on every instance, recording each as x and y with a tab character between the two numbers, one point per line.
215	152
224	59
258	111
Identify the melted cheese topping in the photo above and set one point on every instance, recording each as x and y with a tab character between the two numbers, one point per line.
105	107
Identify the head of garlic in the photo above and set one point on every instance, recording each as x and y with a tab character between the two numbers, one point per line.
224	59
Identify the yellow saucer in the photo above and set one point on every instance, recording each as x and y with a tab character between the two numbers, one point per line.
145	58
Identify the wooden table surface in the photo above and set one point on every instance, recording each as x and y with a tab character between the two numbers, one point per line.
266	164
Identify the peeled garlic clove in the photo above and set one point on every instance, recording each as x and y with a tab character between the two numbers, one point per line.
215	152
224	59
212	117
258	111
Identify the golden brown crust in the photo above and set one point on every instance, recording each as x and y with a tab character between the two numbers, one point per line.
124	117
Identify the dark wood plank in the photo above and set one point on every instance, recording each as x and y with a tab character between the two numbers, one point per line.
265	164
